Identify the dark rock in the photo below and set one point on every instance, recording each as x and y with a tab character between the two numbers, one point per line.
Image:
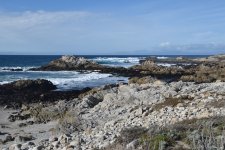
4	127
32	91
24	138
8	138
31	85
16	69
22	124
30	122
13	118
8	69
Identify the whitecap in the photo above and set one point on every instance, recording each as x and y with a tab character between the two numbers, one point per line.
162	57
4	82
118	61
15	68
166	64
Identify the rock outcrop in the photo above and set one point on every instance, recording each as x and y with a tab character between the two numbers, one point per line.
150	67
32	85
73	63
199	70
39	85
32	91
206	72
70	63
214	58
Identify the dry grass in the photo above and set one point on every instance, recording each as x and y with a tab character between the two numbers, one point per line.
44	114
197	134
142	80
217	103
69	123
170	101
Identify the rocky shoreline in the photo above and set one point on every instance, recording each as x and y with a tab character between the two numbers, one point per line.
198	70
160	108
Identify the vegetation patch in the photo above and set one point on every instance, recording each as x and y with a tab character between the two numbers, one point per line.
217	103
170	101
197	134
142	80
68	121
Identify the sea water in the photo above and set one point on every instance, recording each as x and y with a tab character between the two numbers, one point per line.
65	80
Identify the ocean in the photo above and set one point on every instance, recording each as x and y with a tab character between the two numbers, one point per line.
67	80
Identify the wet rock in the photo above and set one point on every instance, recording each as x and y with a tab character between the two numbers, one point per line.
32	91
33	85
14	69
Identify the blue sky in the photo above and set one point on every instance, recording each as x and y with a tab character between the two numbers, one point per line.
112	27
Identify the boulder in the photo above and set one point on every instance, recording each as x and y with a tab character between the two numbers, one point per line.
37	85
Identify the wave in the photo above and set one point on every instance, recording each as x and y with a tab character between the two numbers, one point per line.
64	80
162	57
17	68
79	81
78	78
166	64
117	59
173	64
4	82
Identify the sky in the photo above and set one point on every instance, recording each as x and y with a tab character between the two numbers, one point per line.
112	27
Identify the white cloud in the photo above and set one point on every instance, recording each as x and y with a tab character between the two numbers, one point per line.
31	19
41	31
97	33
165	44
